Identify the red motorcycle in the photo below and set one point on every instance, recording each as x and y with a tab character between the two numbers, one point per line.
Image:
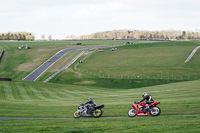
142	109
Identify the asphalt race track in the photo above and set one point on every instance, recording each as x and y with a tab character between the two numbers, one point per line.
42	68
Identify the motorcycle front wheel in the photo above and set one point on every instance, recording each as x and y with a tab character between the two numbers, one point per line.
97	113
155	111
77	114
132	113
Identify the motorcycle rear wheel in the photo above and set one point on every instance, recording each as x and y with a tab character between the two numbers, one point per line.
132	113
97	113
77	114
155	111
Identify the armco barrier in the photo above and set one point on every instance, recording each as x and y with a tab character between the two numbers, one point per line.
5	79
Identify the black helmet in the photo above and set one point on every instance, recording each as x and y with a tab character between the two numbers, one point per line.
144	94
90	100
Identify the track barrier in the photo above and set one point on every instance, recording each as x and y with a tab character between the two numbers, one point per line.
5	79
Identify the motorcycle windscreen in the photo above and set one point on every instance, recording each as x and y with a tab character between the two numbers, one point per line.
99	106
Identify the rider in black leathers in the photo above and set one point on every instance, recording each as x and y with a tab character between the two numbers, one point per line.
91	105
148	99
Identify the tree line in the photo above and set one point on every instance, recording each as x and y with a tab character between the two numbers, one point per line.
144	35
21	36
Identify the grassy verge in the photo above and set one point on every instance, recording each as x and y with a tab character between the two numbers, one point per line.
86	79
123	125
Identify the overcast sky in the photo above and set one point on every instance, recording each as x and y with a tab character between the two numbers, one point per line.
61	18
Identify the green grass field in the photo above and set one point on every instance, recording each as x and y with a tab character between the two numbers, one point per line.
123	125
110	78
146	60
25	99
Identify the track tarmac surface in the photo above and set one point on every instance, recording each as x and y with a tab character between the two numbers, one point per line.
42	68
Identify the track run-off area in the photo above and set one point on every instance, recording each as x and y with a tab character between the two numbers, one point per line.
19	118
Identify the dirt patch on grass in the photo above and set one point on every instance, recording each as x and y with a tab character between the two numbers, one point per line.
85	82
88	53
78	74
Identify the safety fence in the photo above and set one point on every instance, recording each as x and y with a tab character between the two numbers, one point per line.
112	46
68	65
165	77
5	79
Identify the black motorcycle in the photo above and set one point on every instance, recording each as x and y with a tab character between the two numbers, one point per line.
89	111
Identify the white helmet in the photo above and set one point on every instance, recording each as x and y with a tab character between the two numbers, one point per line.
144	94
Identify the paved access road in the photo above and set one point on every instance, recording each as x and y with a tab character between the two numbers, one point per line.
42	68
192	54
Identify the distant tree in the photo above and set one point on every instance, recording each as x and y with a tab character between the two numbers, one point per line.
151	36
162	37
23	37
43	37
183	33
50	37
142	37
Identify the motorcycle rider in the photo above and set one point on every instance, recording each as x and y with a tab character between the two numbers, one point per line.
147	97
91	105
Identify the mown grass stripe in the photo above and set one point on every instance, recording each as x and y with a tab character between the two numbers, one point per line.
16	93
8	92
52	93
60	93
66	94
31	93
37	93
73	93
23	93
2	93
44	93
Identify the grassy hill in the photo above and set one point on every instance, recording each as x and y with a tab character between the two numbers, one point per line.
135	66
17	64
115	79
146	60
